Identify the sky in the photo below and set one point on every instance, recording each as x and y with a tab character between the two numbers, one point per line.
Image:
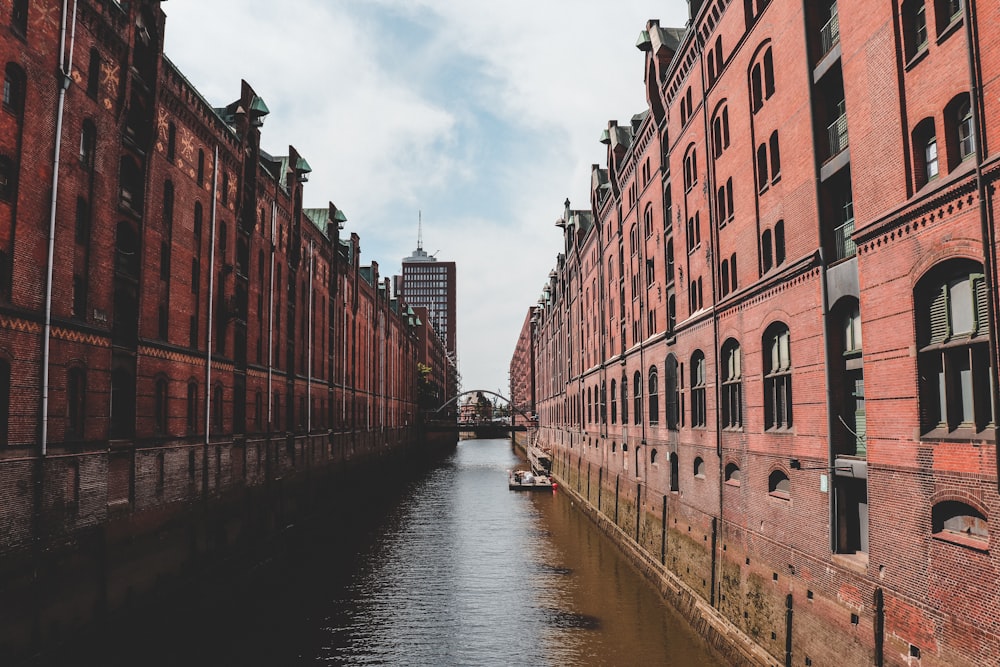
479	117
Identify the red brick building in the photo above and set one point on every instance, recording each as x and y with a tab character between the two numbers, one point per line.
771	335
174	324
522	373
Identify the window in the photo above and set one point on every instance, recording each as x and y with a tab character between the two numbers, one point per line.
637	398
13	89
720	131
732	385
76	392
614	402
88	145
762	80
201	167
766	256
953	358
698	409
947	11
732	474
671	390
160	409
690	168
654	397
694	231
914	27
777	378
733	282
930	158
959	132
775	157
19	16
171	142
93	73
779	243
624	388
762	182
778	485
956	521
699	467
675	473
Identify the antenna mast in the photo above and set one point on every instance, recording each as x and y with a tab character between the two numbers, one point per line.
420	231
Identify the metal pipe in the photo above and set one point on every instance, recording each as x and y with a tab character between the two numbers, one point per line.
211	300
65	64
270	319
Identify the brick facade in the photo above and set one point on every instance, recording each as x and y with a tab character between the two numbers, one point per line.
771	332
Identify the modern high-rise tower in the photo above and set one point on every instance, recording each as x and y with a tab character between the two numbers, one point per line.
430	283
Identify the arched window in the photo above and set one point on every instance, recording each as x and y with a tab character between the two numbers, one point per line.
699	467
732	385
19	17
652	456
775	157
761	79
590	407
88	145
732	474
604	402
654	397
94	73
675	473
201	167
779	243
925	152
171	142
778	485
914	27
766	257
624	388
762	181
614	402
690	168
959	131
698	407
76	393
720	130
956	521
637	398
777	378
13	89
671	390
953	352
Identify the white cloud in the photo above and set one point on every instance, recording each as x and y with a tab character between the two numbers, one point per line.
484	115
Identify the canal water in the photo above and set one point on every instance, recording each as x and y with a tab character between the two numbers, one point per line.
453	569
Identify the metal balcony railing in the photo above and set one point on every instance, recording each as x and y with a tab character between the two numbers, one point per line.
843	243
829	35
837	133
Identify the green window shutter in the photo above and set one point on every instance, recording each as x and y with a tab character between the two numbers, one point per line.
980	295
938	316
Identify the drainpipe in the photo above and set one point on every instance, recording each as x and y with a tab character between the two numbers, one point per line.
309	344
64	80
211	299
712	252
985	222
270	319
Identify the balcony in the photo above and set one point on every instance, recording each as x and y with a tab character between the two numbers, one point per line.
829	34
837	131
843	243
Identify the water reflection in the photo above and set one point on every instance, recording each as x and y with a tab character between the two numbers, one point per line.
453	569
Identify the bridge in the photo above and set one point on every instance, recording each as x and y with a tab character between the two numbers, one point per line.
489	427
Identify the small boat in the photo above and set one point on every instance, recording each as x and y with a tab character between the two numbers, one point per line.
525	480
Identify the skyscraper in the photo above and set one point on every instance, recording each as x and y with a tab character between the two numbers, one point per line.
429	283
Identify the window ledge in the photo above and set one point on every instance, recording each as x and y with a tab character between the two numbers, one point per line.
959	435
780	495
780	430
916	57
857	561
951	28
961	540
699	477
733	482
